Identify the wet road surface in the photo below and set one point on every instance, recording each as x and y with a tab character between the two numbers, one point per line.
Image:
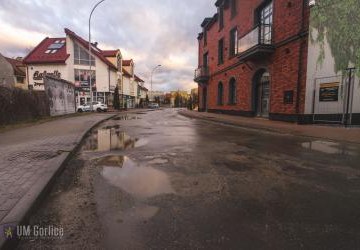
158	180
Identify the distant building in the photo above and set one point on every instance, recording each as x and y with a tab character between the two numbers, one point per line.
12	73
158	95
67	58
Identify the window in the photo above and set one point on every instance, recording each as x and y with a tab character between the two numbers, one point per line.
20	79
205	37
206	60
233	42
264	19
81	56
221	52
221	18
232	91
233	7
82	78
220	94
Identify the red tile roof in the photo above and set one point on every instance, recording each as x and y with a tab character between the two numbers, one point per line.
17	65
109	53
138	79
127	62
126	73
97	52
38	55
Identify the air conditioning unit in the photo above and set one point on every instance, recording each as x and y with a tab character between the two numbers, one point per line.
312	3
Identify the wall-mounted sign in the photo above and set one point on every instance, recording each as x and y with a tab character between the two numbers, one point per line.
329	92
39	76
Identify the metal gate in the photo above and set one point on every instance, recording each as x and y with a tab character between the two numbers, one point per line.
333	98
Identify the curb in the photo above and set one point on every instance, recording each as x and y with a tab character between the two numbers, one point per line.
265	128
35	195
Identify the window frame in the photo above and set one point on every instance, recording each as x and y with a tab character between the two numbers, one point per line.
220	98
221	51
232	91
233	48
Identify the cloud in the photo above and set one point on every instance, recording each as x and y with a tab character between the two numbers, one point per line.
151	32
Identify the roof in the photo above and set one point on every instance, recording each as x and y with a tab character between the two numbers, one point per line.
17	66
138	79
127	62
110	53
38	55
126	73
97	52
143	88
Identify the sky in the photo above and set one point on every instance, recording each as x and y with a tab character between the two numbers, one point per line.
150	32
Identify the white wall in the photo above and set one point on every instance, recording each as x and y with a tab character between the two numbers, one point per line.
324	73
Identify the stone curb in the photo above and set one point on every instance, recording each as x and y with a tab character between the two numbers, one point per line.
35	195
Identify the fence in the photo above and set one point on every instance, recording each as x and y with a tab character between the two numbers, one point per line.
18	105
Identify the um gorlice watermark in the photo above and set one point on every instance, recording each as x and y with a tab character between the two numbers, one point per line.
32	232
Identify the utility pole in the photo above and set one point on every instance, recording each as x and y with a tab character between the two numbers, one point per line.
347	117
151	89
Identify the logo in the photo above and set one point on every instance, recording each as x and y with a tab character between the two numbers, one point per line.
9	231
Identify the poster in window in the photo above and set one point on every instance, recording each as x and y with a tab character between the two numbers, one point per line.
82	79
329	92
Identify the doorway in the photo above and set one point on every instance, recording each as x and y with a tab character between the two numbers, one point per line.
262	93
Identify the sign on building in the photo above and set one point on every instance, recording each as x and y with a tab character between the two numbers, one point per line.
61	96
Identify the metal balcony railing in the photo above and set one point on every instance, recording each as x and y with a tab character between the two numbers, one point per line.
202	74
260	35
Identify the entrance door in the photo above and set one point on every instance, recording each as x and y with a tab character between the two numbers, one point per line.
263	95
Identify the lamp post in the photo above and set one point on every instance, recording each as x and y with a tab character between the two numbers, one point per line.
90	63
152	72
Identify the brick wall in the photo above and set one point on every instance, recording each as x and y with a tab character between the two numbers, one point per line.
283	64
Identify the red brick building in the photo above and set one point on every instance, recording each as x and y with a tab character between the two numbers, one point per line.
253	58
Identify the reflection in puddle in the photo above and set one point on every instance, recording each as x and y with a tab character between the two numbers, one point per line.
111	139
142	182
329	147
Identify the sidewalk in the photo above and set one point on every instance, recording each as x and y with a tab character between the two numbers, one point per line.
315	131
30	158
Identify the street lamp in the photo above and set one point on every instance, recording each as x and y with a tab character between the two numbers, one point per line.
152	72
91	94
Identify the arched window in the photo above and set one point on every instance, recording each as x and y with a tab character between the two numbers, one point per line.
220	94
232	91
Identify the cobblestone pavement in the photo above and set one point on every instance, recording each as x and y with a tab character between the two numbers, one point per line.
26	154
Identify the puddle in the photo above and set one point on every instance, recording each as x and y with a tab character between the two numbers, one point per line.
111	139
159	161
125	118
141	182
329	147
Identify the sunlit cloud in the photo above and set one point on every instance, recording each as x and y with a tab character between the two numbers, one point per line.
151	32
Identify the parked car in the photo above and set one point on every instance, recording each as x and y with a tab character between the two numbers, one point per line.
100	107
97	106
153	106
84	108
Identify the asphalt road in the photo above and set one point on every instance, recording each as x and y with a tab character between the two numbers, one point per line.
158	180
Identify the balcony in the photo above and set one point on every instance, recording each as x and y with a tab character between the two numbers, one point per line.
257	43
202	75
